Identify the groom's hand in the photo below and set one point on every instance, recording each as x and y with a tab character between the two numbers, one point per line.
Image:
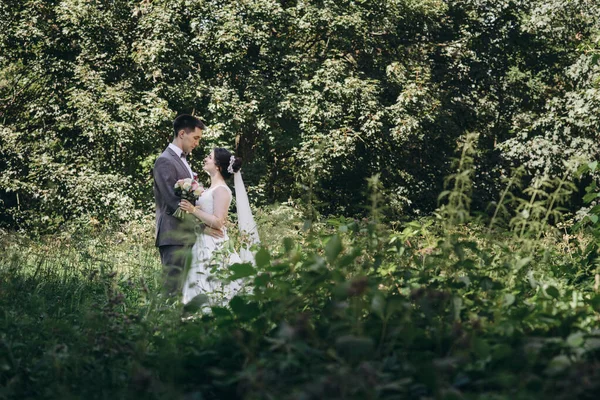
216	233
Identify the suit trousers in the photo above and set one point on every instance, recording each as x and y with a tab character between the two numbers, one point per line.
173	259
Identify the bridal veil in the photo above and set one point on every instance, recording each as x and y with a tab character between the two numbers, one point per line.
246	224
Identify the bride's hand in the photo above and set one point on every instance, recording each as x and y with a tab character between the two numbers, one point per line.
186	206
216	233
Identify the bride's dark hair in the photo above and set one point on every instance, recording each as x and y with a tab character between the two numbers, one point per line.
222	160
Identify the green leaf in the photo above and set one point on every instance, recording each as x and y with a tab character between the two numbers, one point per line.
278	268
443	194
593	218
340	291
552	292
288	244
263	258
502	350
4	365
576	339
481	348
486	283
509	300
378	305
394	304
262	280
457	305
522	262
196	303
243	309
595	302
220	312
354	348
595	209
350	257
333	248
346	260
316	263
241	270
588	198
464	280
557	365
452	394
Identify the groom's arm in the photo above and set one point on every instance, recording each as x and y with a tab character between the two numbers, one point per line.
165	178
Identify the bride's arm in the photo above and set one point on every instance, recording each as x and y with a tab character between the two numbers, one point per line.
216	220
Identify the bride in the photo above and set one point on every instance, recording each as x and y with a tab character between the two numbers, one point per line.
210	255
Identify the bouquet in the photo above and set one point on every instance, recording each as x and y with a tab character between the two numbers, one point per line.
188	189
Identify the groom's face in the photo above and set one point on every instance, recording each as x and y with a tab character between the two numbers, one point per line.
190	139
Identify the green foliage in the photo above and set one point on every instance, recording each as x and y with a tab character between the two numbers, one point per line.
333	105
439	307
321	94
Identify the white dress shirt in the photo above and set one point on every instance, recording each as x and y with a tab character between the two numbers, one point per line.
179	152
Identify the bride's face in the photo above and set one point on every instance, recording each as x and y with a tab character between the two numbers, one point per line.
209	163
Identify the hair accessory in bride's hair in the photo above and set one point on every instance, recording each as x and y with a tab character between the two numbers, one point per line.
230	167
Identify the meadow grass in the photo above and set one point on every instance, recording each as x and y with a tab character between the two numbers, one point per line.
445	307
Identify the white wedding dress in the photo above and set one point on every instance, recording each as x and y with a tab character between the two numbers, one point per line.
210	258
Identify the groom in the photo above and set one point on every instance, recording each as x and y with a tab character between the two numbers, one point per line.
174	238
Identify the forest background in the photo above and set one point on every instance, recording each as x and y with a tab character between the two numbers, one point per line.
312	94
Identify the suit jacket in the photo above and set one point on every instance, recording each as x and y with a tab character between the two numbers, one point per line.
168	169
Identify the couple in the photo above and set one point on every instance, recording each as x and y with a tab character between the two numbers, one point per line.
203	228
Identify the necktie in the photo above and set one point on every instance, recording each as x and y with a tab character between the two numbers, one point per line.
183	155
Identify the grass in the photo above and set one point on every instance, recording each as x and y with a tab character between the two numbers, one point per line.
446	307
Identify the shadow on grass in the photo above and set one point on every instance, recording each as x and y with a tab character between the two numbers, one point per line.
84	320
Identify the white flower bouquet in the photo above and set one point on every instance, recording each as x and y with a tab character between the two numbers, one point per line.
188	189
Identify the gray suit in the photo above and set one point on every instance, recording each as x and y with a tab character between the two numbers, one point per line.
174	238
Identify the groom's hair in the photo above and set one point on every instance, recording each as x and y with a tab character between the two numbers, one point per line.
187	122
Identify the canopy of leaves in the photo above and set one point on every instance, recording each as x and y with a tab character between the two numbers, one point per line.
319	94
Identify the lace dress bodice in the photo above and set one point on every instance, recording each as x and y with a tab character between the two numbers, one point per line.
206	200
